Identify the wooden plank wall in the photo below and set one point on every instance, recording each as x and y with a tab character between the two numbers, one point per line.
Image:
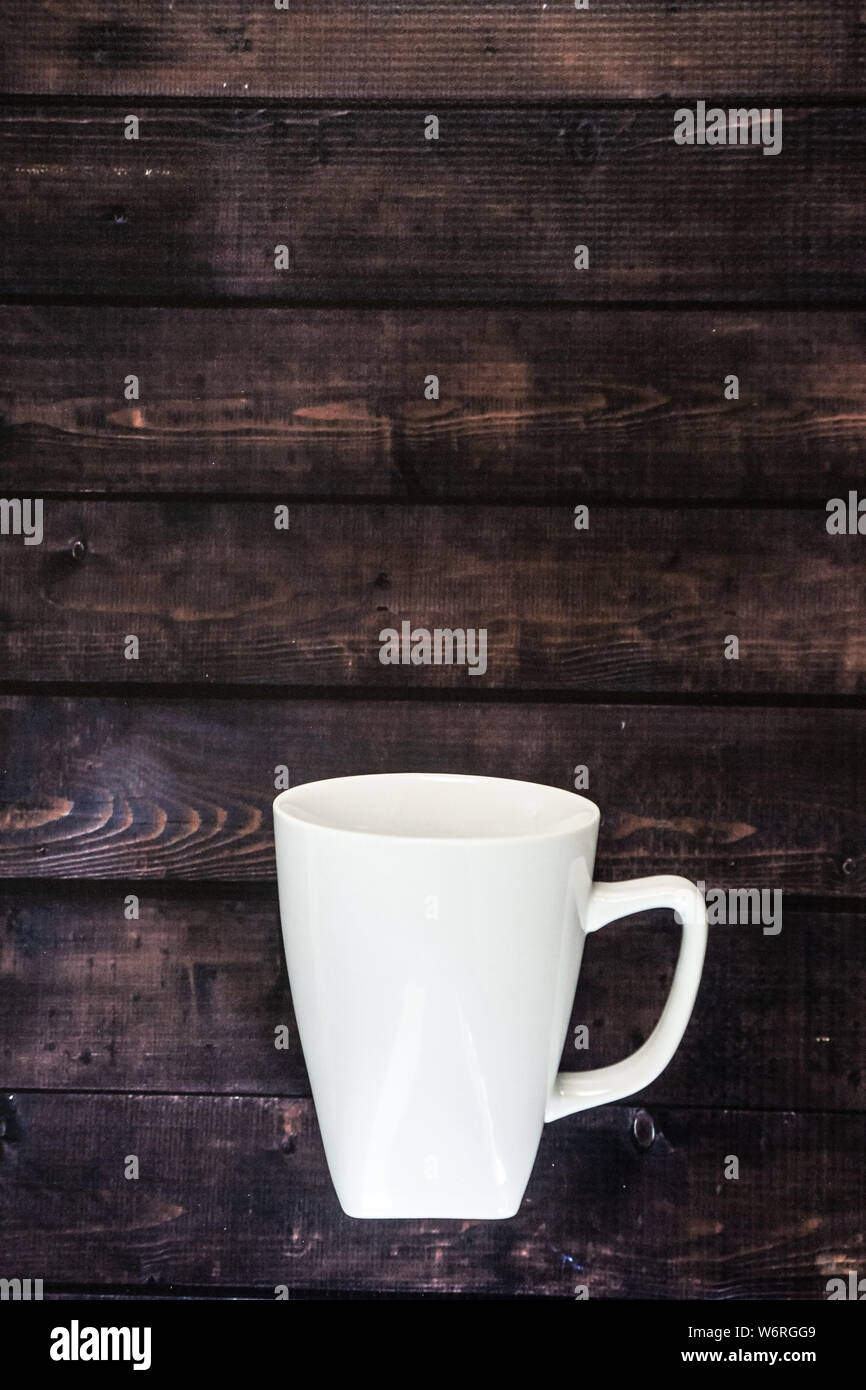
141	974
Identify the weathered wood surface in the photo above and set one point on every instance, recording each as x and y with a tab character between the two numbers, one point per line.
236	1191
165	788
643	600
452	258
187	997
448	48
370	210
608	404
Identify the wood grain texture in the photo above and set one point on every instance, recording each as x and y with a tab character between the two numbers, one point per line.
556	387
641	601
370	210
448	48
533	404
236	1191
182	789
187	997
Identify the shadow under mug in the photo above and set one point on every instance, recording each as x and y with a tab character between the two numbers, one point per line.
434	926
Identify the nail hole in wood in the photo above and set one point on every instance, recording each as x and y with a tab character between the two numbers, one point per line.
643	1130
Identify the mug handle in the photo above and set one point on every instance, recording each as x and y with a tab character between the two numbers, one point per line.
580	1090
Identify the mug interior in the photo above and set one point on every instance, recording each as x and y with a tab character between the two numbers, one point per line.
432	805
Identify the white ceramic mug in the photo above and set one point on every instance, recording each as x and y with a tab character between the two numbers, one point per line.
434	927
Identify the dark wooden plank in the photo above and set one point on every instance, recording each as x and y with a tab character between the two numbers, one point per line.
759	797
188	997
533	404
235	1191
185	997
369	209
643	600
389	48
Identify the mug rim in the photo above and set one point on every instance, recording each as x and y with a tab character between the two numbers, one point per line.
577	820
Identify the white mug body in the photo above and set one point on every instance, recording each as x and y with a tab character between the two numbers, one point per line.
433	928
